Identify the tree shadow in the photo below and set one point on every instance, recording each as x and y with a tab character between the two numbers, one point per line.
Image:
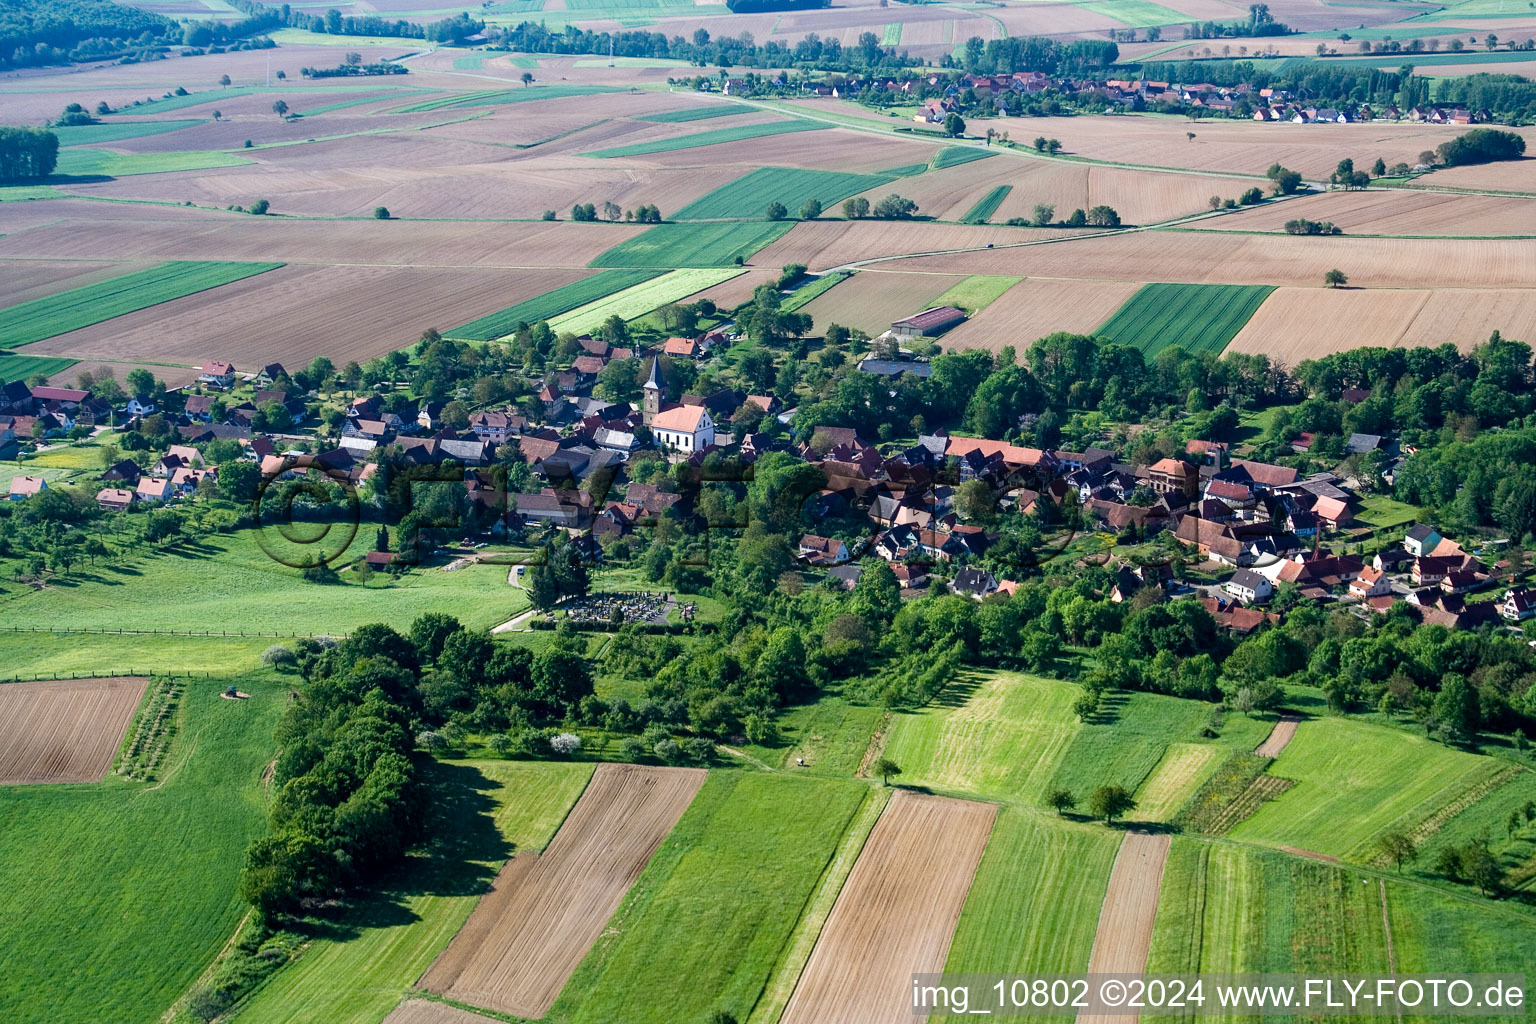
1110	706
960	690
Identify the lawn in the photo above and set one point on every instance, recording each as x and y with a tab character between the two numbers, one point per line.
14	367
74	308
975	293
1127	741
499	97
1197	317
1355	780
717	903
806	292
1136	13
698	113
671	246
954	156
80	161
1034	905
115	894
987	205
86	134
486	811
46	656
1384	512
749	195
227	582
709	138
640	299
551	304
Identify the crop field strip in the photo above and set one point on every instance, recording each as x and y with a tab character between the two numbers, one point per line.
89	134
15	367
954	156
551	304
86	161
987	205
64	730
640	299
897	912
1181	772
1275	743
1124	935
80	307
709	138
749	196
698	113
501	97
527	936
1196	317
977	292
672	246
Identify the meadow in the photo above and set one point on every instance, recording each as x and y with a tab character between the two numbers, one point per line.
90	162
501	97
116	894
15	367
80	307
976	293
114	131
805	293
954	156
748	196
551	304
1196	317
672	246
709	138
636	301
700	113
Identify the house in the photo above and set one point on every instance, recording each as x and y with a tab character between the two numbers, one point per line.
550	506
491	427
1371	582
1332	511
140	406
1430	570
1421	540
687	428
185	480
1360	444
770	404
818	550
26	486
1249	587
895	367
153	488
976	583
199	408
928	323
848	575
430	415
218	374
682	348
268	375
1392	560
126	471
1174	478
114	499
911	577
1518	605
15	395
10	448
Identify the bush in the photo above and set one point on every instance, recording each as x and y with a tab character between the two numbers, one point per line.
1302	226
549	215
260	207
699	748
566	744
895	207
633	748
776	211
278	656
669	751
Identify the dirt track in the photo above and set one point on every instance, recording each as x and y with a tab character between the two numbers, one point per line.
1130	907
528	934
64	730
1279	737
425	1011
896	913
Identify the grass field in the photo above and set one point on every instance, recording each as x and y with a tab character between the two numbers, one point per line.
58	655
749	195
892	34
1355	780
805	293
1184	767
500	97
28	193
699	113
975	293
1384	512
86	134
1047	925
641	299
118	165
14	367
1136	13
486	810
672	246
716	904
80	307
1197	317
552	304
1124	745
954	156
116	895
709	138
987	205
831	735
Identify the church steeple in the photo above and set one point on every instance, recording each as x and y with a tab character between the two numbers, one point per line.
651	402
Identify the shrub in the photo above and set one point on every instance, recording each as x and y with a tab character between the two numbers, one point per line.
549	215
277	656
428	739
381	213
633	748
669	751
260	207
566	744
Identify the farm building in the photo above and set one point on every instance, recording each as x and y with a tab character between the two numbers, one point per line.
929	323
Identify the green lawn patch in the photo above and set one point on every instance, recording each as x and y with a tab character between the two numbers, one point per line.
976	292
954	156
1385	512
14	367
499	97
51	655
91	304
116	894
641	299
113	131
907	170
1196	317
468	63
1136	13
551	304
120	165
693	245
709	138
805	293
749	195
830	735
716	904
699	113
987	205
485	811
1126	742
1355	780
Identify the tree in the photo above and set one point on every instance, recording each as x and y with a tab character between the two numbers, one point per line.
1110	802
895	207
954	125
886	769
1043	215
280	108
260	207
776	211
1335	278
855	207
1398	847
381	213
1061	801
526	78
224	80
1103	217
1379	168
1482	868
811	209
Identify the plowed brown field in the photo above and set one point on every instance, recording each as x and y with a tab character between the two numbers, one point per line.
530	931
24	281
64	730
896	913
425	1011
870	301
1280	737
1124	937
1393	212
829	243
1038	306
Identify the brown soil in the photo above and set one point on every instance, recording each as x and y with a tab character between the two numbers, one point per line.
64	730
1130	907
1279	737
425	1011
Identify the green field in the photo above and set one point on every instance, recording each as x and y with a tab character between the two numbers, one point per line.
987	205
1182	770
954	156
47	656
228	582
639	300
1197	317
86	134
977	292
80	307
892	34
1135	13
749	195
671	246
92	162
14	367
551	304
709	138
498	97
28	193
468	63
1125	743
716	904
485	811
805	293
698	113
116	895
831	736
1355	780
1045	925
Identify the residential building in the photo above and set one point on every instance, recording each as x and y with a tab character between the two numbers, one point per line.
1249	587
217	373
23	487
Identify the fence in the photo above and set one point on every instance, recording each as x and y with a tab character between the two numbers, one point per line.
37	677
